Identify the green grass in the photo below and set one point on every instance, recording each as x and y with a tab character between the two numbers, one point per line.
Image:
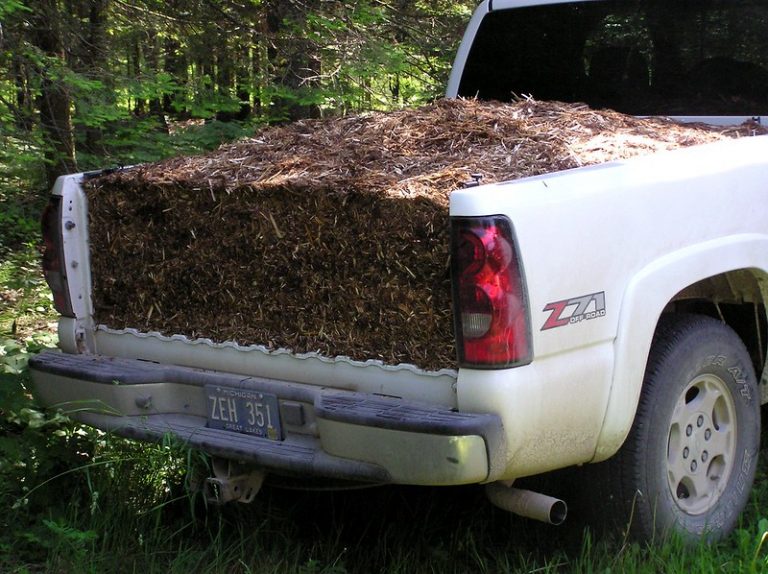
78	500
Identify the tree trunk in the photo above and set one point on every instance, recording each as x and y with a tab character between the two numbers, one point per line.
176	66
24	110
134	71
54	100
93	61
153	62
294	62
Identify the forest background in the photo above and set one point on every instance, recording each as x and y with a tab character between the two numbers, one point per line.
86	84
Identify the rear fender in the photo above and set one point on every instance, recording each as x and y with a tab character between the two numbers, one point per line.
648	293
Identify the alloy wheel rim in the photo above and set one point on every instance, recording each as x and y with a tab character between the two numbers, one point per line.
701	444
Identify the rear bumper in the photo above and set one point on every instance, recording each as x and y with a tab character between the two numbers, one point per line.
325	432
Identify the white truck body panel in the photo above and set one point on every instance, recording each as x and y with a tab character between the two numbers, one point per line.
662	199
309	368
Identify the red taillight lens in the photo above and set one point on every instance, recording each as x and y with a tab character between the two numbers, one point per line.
490	303
53	264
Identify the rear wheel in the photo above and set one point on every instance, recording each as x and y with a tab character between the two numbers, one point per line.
689	461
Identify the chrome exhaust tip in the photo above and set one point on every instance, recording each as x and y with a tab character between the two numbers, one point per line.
527	503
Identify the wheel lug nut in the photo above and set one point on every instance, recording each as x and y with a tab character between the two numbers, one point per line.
704	456
688	430
707	434
693	466
685	452
700	421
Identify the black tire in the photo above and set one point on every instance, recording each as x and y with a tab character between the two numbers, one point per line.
689	461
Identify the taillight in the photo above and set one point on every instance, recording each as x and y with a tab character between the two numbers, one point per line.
53	257
490	302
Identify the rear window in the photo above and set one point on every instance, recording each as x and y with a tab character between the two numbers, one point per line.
644	57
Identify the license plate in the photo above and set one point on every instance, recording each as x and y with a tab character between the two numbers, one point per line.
244	411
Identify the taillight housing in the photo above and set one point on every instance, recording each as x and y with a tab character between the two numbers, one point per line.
490	301
53	257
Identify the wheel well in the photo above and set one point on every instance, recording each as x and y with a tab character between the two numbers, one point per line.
737	299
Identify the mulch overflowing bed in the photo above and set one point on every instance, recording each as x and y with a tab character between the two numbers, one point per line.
331	236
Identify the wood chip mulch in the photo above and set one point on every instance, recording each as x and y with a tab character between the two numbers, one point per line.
331	236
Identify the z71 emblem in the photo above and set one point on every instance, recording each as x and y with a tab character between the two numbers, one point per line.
575	310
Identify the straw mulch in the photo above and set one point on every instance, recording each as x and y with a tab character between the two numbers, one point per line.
331	236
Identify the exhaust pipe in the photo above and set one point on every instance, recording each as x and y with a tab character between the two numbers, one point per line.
527	503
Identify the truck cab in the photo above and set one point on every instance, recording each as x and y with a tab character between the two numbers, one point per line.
698	61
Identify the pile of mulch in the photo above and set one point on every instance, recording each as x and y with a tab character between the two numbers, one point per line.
331	236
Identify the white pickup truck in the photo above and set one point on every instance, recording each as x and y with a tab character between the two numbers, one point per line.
620	320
